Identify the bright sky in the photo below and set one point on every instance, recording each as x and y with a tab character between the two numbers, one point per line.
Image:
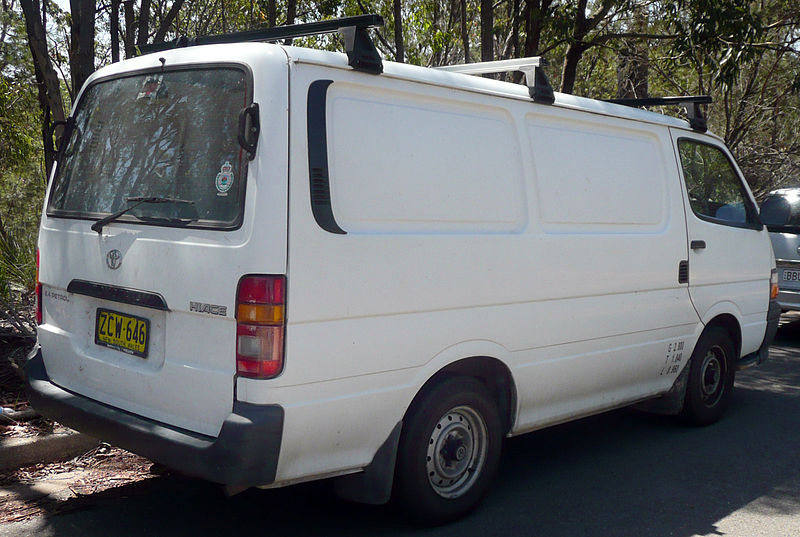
63	4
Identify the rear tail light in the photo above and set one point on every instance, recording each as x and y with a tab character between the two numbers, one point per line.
773	284
261	326
39	313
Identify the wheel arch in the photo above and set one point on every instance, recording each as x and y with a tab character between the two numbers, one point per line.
494	374
731	325
375	483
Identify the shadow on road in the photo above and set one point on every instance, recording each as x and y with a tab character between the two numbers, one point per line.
618	474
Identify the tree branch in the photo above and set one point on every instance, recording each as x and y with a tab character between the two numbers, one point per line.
163	28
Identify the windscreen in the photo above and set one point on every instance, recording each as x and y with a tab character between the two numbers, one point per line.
170	135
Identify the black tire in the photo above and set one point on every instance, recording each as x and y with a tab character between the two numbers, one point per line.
711	375
449	451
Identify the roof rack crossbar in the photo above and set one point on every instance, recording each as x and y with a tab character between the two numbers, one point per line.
361	52
539	87
697	120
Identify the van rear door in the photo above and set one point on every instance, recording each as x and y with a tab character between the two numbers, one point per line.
139	313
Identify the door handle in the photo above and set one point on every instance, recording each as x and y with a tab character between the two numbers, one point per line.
698	245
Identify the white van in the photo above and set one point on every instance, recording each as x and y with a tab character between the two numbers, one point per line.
260	265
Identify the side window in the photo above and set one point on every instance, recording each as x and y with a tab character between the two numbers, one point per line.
715	191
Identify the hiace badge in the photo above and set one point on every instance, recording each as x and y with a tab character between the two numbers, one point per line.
224	179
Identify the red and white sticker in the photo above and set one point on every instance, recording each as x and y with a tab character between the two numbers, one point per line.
224	180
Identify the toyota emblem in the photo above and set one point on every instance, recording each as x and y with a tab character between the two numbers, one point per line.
114	259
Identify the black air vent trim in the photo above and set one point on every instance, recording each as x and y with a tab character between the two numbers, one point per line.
319	180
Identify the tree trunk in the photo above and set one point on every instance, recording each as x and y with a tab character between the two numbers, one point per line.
144	23
578	42
163	28
399	54
291	15
536	11
487	31
81	50
114	30
46	78
515	29
464	32
129	36
272	14
633	61
569	72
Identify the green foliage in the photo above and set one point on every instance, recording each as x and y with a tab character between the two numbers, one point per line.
715	35
21	197
21	176
18	123
17	265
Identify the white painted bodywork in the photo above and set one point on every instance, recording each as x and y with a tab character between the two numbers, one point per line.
478	224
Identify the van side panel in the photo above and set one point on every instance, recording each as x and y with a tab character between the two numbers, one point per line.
413	165
612	225
586	312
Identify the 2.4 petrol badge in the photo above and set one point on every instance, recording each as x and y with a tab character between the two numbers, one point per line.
114	259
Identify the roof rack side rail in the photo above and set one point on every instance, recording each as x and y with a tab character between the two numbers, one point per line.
539	87
361	52
697	121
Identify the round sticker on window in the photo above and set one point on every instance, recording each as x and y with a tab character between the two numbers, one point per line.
224	179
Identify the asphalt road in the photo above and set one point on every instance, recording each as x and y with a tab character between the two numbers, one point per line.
618	474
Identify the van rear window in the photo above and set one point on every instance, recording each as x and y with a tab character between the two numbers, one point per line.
169	135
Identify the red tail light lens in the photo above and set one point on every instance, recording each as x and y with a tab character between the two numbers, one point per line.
39	312
260	313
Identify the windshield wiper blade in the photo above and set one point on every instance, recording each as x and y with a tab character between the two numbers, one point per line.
98	226
156	199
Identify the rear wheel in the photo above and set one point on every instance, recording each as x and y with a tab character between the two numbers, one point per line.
711	375
449	450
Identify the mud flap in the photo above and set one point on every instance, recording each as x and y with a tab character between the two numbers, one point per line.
671	403
374	485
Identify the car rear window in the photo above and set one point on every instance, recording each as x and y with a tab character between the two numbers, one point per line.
165	134
781	210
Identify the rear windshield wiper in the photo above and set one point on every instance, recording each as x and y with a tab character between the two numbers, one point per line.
138	200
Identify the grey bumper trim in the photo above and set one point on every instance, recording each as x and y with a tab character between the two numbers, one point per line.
244	454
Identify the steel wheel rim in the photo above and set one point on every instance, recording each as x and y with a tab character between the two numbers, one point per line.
456	452
712	375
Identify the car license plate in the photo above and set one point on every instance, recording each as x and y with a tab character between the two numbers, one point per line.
126	333
791	275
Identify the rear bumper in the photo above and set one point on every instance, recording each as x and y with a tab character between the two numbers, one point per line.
761	355
789	300
244	454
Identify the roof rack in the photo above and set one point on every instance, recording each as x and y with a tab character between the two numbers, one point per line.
361	52
691	103
539	87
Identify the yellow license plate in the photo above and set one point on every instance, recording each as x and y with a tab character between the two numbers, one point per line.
126	333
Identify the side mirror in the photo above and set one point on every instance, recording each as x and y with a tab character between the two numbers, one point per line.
249	129
66	130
